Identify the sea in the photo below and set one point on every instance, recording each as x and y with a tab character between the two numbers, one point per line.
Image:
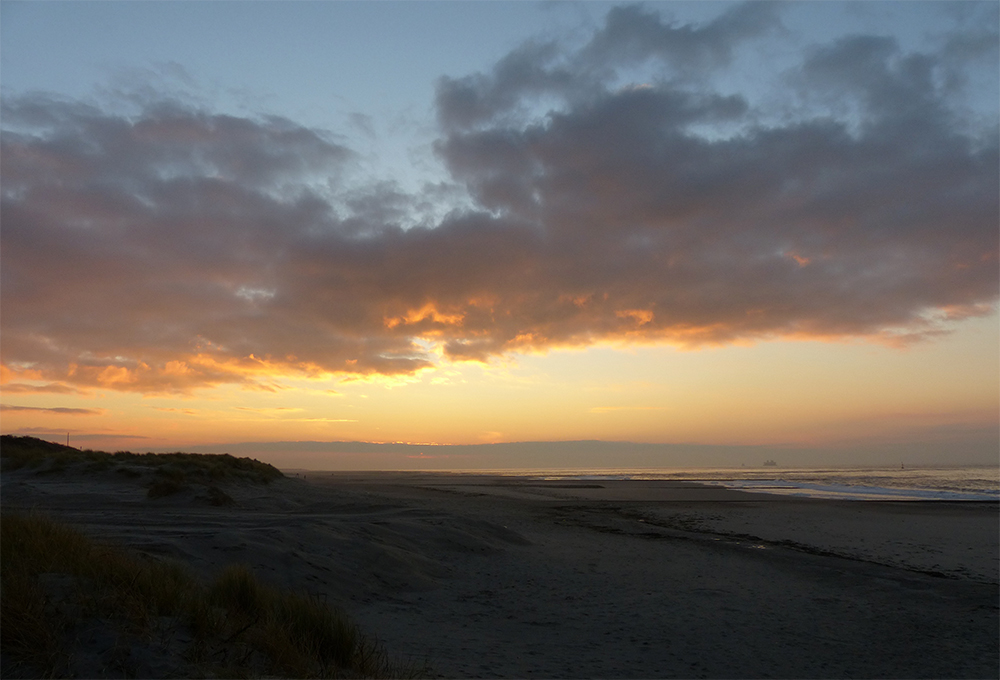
882	484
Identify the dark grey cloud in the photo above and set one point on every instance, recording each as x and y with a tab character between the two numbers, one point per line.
466	101
635	33
172	247
630	35
169	140
865	224
58	410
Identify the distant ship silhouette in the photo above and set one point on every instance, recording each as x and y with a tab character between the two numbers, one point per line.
770	463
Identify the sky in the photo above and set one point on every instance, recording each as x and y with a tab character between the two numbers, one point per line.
449	228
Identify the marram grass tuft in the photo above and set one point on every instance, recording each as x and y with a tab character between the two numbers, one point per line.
56	584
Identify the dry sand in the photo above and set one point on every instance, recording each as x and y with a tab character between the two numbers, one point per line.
500	577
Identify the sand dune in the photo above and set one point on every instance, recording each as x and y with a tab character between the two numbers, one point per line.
485	576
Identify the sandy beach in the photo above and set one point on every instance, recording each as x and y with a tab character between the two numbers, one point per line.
486	576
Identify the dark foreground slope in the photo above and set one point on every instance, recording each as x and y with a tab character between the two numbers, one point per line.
73	607
484	576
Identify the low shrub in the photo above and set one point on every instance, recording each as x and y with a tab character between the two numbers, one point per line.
218	497
163	487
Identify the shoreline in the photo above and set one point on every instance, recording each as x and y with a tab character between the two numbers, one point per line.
801	488
485	576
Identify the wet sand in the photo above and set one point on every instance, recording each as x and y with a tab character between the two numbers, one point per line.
484	576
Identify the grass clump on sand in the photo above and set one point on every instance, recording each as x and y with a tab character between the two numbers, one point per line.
172	470
296	631
70	607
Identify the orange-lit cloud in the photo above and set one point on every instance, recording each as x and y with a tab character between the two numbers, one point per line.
429	314
49	388
172	248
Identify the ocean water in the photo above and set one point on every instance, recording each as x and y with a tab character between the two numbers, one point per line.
939	483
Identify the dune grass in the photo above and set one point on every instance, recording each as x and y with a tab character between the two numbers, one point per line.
170	468
56	583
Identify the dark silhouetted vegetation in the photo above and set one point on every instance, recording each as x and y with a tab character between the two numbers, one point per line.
57	585
180	468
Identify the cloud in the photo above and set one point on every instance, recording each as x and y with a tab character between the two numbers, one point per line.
613	409
363	123
265	410
183	411
50	388
618	191
60	436
58	410
672	212
630	35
